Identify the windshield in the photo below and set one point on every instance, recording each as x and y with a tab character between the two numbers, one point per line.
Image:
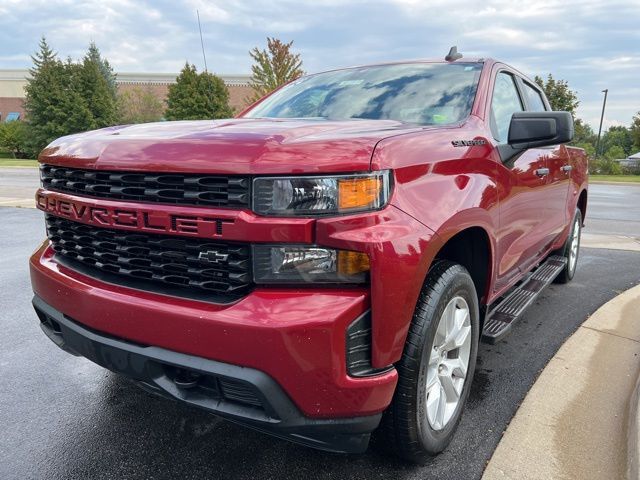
421	93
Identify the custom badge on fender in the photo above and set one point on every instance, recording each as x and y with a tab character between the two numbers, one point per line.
468	143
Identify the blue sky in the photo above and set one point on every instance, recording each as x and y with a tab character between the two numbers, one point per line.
593	44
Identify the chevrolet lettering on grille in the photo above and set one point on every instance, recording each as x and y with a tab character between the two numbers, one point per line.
151	220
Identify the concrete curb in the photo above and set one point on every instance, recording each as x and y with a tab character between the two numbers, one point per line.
610	242
633	451
580	418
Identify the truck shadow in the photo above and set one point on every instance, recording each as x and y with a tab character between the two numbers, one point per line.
139	435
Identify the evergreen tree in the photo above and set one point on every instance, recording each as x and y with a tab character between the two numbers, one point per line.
54	108
93	55
64	98
99	97
273	67
197	96
44	56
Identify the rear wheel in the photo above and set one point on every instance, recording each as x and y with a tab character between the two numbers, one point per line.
437	365
571	250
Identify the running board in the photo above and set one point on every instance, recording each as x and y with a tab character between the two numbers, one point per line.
501	318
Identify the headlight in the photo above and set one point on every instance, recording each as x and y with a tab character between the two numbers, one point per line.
308	264
289	196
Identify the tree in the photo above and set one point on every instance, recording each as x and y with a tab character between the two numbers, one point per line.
635	132
97	91
583	132
53	104
139	105
93	55
560	96
197	96
65	97
273	67
13	137
618	136
44	56
589	149
615	153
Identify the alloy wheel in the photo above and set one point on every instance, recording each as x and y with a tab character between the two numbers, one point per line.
448	363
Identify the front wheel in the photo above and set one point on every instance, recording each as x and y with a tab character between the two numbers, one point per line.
437	365
571	250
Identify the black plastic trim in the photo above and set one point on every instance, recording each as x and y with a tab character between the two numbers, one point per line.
358	352
148	366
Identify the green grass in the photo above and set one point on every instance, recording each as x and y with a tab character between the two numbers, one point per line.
15	162
615	178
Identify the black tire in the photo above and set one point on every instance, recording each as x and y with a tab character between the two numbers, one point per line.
405	427
567	273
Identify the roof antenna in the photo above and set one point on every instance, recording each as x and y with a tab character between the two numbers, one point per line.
204	57
202	42
453	55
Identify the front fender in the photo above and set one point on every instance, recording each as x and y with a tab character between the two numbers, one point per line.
400	250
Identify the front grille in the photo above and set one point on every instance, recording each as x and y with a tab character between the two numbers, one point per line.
158	263
170	188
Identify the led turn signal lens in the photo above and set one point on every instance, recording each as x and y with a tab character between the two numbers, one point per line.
352	263
359	192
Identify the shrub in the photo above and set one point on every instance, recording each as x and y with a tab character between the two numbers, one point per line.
13	138
139	105
197	96
605	166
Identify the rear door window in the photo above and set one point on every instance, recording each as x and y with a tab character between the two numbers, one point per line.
534	98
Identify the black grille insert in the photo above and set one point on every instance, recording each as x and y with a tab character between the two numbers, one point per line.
158	263
171	188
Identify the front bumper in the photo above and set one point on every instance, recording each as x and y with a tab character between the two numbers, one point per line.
297	337
243	395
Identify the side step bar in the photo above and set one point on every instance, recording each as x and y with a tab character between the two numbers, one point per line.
501	318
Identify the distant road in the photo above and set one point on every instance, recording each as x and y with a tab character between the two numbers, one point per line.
18	186
613	210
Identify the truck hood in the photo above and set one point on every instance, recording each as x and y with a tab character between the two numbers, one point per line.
236	146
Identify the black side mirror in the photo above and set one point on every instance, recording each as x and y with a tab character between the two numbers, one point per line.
536	129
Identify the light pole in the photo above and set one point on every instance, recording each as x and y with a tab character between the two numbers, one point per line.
604	104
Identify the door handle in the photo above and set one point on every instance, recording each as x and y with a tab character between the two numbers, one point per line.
542	172
566	168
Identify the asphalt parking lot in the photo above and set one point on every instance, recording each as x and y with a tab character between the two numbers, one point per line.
62	417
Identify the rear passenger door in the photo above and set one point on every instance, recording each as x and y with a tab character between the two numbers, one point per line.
557	159
521	234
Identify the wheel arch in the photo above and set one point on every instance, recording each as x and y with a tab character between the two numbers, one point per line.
471	248
582	204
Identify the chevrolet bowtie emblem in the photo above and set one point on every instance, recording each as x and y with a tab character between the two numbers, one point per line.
213	256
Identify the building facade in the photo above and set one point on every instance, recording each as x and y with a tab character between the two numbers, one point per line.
12	83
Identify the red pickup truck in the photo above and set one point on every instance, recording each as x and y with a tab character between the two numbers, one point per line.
325	264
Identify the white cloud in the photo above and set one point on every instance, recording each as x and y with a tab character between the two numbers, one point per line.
590	43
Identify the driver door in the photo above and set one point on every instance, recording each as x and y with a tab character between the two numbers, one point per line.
521	237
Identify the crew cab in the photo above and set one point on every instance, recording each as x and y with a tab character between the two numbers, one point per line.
323	265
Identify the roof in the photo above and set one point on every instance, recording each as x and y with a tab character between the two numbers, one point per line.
21	75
